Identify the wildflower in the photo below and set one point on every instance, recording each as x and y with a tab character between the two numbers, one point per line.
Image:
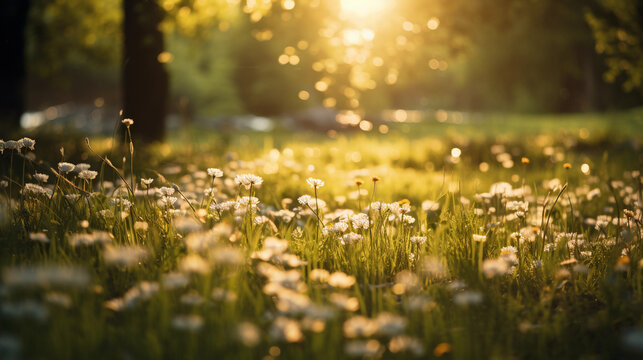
479	238
141	226
106	213
567	166
124	255
39	237
319	275
314	183
418	239
360	326
363	348
467	298
341	280
45	276
375	178
88	174
494	267
248	334
390	325
187	322
340	227
432	266
12	145
146	182
127	122
524	160
351	238
358	182
248	180
165	191
172	281
36	189
441	349
81	167
304	199
28	143
345	302
57	298
220	294
405	281
120	202
96	237
360	221
215	173
41	178
405	343
193	263
407	219
623	263
286	329
66	167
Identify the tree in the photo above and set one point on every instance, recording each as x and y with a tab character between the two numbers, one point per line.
12	64
145	81
618	30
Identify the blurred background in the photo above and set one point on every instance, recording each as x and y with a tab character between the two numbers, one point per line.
322	65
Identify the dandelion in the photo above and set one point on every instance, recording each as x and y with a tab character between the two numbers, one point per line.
66	167
248	180
215	173
314	183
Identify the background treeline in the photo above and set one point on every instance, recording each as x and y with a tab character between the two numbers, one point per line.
488	55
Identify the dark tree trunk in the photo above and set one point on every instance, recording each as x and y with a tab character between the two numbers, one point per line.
145	81
13	23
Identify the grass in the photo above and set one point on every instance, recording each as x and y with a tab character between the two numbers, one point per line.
445	262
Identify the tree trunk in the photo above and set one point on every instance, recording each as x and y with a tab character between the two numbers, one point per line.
13	23
145	81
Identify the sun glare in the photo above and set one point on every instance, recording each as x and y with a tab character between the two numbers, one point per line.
363	8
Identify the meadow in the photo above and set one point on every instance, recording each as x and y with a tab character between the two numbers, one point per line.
495	237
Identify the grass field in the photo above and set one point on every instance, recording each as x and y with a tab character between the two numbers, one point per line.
501	237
